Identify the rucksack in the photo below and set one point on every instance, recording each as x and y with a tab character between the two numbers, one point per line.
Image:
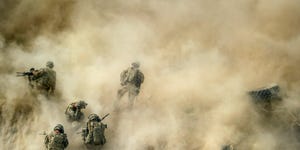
57	141
98	133
138	79
133	76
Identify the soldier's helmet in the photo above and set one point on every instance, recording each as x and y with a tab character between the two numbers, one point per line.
82	104
135	64
50	64
31	69
94	117
59	127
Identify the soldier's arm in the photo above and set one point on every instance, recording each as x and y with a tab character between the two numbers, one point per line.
67	109
141	76
66	143
46	141
123	76
52	89
123	73
77	111
54	84
37	74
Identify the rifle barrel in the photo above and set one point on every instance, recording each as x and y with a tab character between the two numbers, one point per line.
105	116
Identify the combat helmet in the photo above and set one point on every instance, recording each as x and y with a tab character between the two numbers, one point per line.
59	127
135	64
50	64
81	104
94	117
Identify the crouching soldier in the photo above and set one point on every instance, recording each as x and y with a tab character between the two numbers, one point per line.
93	133
56	140
73	111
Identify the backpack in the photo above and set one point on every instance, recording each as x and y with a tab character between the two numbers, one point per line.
133	76
138	79
57	141
98	133
49	79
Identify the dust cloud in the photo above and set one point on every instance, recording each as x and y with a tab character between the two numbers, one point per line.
199	57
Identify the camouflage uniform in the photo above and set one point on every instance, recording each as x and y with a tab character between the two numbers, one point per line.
73	111
56	140
30	77
228	147
45	79
89	133
131	80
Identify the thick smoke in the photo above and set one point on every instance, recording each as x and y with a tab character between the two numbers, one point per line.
199	59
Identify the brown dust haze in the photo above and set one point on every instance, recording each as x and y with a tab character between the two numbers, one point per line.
199	57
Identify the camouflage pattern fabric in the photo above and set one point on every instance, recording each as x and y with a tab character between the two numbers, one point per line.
228	147
132	90
56	141
132	76
73	112
94	133
44	80
131	80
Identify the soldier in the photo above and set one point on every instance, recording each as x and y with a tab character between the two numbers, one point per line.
266	97
56	140
131	80
45	79
228	147
93	133
73	111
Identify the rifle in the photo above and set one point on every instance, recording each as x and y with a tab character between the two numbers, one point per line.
21	74
29	73
104	117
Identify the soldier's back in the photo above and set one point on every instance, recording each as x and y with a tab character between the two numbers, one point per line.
57	141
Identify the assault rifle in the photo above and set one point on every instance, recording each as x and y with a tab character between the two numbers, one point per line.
29	73
104	116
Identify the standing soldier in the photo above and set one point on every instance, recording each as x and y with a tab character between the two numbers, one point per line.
131	80
73	111
56	140
45	79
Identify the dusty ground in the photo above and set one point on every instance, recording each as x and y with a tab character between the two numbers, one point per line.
199	58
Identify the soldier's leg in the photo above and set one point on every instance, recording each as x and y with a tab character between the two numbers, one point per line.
131	100
133	92
122	91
